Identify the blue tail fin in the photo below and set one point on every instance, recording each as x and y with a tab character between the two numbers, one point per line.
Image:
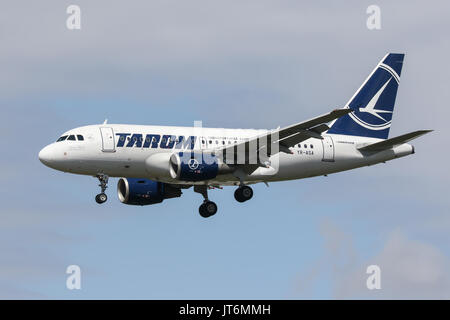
373	103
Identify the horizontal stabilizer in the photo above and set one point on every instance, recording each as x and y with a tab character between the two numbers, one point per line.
390	143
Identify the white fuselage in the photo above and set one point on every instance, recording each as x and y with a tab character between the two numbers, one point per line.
120	150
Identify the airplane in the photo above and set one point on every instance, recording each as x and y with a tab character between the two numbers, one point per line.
155	163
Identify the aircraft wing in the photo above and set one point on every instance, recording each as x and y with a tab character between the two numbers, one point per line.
390	143
279	140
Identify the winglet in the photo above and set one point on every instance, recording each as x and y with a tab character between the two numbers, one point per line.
340	112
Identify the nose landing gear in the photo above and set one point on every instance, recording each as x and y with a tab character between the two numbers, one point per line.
102	197
207	208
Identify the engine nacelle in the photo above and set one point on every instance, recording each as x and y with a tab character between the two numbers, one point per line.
143	191
158	165
196	166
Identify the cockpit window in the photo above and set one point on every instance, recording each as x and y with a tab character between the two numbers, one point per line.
79	137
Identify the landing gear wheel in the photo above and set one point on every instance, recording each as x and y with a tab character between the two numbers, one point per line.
103	179
101	198
207	209
243	193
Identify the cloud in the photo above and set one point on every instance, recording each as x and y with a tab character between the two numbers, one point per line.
410	269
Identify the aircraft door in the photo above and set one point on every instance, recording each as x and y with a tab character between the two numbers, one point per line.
328	149
108	144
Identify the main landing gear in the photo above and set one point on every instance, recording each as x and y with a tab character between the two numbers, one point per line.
101	197
207	208
243	193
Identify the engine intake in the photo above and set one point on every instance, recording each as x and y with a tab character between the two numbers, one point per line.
144	191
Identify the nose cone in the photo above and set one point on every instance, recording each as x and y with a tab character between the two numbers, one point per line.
45	156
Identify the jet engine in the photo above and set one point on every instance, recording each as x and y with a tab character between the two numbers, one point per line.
185	166
143	191
196	166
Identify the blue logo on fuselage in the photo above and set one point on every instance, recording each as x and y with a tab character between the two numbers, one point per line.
129	140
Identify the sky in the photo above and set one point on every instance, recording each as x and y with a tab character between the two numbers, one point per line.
230	64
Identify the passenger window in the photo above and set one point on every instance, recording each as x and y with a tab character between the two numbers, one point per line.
61	138
311	146
223	142
71	137
80	137
210	142
305	146
299	145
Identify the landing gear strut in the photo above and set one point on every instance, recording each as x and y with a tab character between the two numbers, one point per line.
101	197
207	208
243	193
